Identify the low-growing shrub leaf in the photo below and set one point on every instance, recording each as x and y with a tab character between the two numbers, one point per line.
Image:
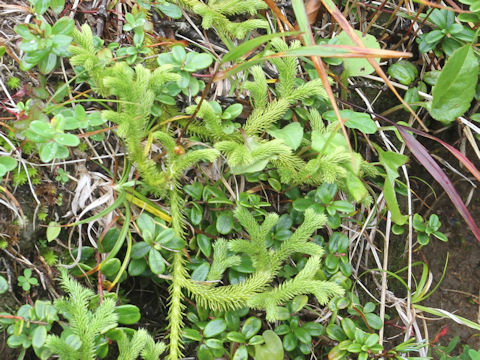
156	262
214	327
127	314
455	87
292	134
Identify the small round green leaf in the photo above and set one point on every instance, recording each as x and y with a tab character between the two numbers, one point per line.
302	204
140	249
39	335
204	353
335	332
232	111
205	244
179	54
374	321
3	285
48	151
8	163
137	267
224	222
127	314
200	61
290	342
251	327
53	231
111	267
405	72
63	26
214	328
67	139
192	334
299	302
214	343
169	9
201	272
235	336
156	262
241	353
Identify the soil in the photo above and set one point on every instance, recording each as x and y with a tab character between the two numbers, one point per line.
459	290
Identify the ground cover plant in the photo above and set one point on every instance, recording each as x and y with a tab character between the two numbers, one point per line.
238	179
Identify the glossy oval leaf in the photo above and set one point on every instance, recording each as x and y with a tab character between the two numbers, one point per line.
214	328
53	231
224	222
39	336
272	349
405	72
251	327
292	134
156	262
127	314
455	87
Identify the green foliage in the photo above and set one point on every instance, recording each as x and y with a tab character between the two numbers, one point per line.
216	14
403	71
49	256
6	164
163	6
271	350
248	152
456	86
43	43
83	336
50	138
88	324
226	328
424	230
444	352
184	64
27	281
13	83
297	336
255	291
3	285
136	23
31	326
157	242
20	177
472	17
322	201
62	176
41	6
353	66
222	249
136	91
392	161
448	37
352	341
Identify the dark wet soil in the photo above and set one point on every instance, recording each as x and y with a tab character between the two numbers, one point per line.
459	291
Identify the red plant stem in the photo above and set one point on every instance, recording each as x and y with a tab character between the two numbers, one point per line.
15	317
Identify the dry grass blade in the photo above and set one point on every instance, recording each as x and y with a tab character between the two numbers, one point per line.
311	8
439	6
344	51
308	39
278	13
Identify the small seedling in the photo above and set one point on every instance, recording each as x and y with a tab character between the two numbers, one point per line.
27	281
